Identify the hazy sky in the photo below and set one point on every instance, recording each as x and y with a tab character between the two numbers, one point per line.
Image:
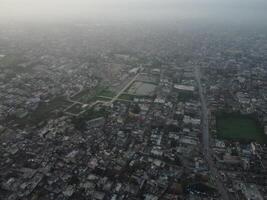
54	10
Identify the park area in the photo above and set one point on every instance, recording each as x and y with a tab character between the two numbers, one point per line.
239	128
90	95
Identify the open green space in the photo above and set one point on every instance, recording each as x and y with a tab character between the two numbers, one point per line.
75	109
106	93
90	95
85	96
99	98
43	112
239	128
93	113
186	96
141	88
127	97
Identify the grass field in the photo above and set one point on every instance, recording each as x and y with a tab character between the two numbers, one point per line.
106	93
126	97
89	95
239	128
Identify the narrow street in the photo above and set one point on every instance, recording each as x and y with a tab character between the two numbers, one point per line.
207	152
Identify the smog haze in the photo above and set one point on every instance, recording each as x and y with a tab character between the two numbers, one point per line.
240	11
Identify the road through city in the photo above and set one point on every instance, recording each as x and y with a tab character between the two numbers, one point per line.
207	152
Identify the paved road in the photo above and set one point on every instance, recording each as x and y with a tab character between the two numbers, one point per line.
207	152
204	113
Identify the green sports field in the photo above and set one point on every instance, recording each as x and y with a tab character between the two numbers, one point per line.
239	128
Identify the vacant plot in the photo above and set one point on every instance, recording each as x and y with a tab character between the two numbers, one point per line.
239	128
142	89
106	93
148	78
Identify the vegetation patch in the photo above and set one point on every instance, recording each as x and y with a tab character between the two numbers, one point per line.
239	128
186	96
94	113
75	109
44	111
106	93
89	95
127	97
101	98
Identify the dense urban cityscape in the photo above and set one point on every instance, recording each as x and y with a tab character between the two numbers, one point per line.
110	111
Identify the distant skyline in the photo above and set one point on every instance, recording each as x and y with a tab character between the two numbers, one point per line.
64	10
